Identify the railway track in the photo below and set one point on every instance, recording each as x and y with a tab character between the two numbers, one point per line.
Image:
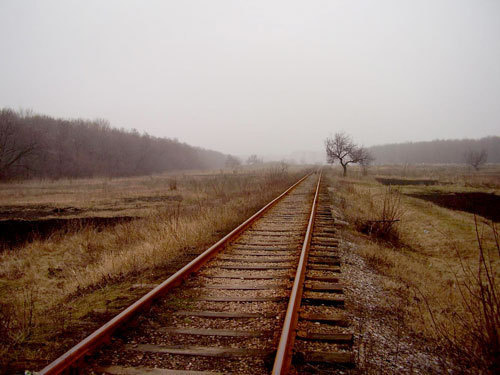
264	296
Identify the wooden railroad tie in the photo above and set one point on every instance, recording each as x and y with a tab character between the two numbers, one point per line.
258	260
323	287
326	279
327	300
202	351
222	314
335	319
243	287
255	267
122	370
322	267
331	337
333	358
252	276
213	332
241	299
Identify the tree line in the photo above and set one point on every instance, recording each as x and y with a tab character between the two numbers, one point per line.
473	152
40	146
456	151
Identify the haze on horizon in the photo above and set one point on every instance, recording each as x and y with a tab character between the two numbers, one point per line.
265	77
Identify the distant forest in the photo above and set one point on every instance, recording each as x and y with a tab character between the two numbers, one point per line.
46	147
436	152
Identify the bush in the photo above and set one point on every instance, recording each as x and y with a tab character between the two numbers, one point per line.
172	184
383	227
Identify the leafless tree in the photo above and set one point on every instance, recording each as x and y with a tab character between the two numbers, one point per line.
342	148
253	160
365	163
82	148
283	166
232	162
12	150
476	158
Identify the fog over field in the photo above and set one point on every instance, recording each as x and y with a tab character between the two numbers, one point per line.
264	77
250	186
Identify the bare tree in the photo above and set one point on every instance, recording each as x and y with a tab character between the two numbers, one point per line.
49	147
253	160
232	162
476	158
366	162
283	167
342	148
12	150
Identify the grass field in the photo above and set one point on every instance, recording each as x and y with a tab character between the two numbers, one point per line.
436	249
101	238
58	286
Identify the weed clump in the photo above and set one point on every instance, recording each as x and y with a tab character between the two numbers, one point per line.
386	217
172	184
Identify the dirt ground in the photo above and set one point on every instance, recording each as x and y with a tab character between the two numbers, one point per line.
36	210
482	204
405	181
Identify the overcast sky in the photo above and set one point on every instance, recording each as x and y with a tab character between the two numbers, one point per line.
259	76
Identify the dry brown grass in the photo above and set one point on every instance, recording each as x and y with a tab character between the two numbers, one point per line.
127	196
428	267
475	334
458	175
387	212
51	289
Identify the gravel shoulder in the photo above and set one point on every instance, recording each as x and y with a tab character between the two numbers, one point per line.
381	343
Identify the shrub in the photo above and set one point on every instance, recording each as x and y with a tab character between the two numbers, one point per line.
172	184
386	218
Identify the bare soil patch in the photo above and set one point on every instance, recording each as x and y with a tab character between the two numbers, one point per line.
23	223
401	181
36	211
157	198
15	233
482	204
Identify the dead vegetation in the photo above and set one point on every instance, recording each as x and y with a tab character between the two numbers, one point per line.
387	212
54	291
441	264
475	332
447	174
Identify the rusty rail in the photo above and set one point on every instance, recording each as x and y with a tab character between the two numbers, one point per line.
284	353
71	358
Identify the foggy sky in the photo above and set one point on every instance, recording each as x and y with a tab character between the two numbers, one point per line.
266	77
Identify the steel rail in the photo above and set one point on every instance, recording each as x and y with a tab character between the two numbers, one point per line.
103	334
284	353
